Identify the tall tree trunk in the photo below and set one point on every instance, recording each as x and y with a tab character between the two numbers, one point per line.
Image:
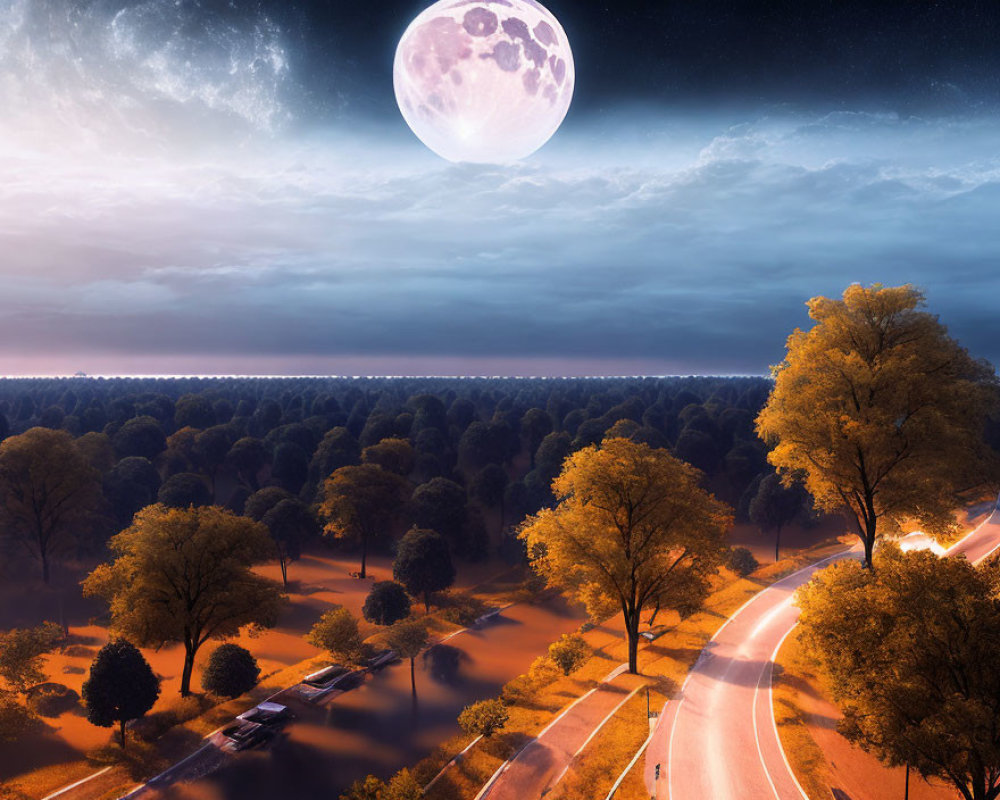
189	653
284	570
427	601
364	557
632	634
45	567
777	544
869	539
122	733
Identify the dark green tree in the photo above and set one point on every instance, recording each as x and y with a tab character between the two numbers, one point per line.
131	484
184	490
231	671
423	564
360	504
775	506
211	447
439	505
48	491
536	424
290	466
386	604
262	501
291	524
248	456
488	487
140	436
194	411
121	687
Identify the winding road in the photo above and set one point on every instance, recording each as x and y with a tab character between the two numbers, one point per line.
717	738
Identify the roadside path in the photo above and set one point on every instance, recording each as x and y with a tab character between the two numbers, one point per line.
543	762
717	737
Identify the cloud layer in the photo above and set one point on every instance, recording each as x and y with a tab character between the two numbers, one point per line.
663	243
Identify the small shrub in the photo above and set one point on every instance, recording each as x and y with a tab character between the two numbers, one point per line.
386	603
461	609
543	672
741	561
484	718
519	691
569	653
231	671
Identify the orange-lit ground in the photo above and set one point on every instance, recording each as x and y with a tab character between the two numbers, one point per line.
483	661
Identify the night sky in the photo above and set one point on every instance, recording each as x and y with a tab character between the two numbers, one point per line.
219	188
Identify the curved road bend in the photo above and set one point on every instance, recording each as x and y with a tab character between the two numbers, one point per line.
717	739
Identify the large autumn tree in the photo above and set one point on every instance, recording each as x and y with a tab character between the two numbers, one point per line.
911	650
632	530
360	504
880	412
48	490
183	575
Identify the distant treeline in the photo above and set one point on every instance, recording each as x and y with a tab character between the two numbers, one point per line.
218	440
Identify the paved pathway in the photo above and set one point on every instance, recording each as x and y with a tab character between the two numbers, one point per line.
717	738
537	768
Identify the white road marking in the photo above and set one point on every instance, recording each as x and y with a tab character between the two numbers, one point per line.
774	722
604	721
74	785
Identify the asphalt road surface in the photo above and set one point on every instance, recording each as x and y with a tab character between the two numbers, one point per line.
372	726
717	738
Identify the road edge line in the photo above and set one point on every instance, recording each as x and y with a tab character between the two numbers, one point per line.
64	789
503	767
774	721
455	759
631	764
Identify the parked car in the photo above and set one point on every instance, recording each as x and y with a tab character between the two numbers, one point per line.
243	735
267	713
381	658
321	682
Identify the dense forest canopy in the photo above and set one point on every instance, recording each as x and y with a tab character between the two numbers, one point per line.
491	446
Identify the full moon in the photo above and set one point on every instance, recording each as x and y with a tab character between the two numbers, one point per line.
485	81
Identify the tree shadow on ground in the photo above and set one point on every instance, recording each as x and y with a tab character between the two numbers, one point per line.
444	664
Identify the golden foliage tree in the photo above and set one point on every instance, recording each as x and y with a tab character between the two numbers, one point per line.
48	490
360	503
337	632
911	649
183	575
880	413
409	637
632	530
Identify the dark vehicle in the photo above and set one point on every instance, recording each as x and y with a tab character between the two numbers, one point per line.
323	681
381	658
243	735
267	713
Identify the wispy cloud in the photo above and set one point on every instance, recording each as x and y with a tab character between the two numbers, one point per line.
692	247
